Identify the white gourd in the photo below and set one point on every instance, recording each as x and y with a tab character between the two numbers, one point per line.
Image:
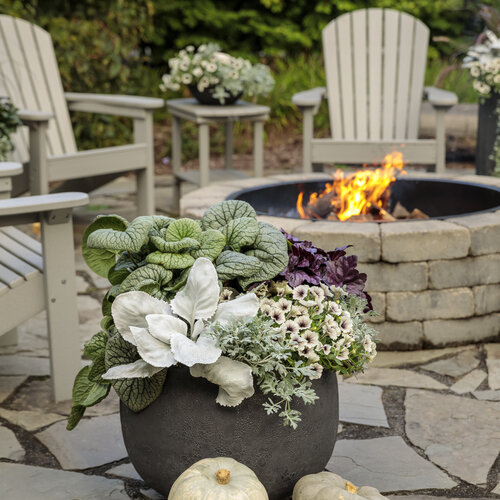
329	486
219	478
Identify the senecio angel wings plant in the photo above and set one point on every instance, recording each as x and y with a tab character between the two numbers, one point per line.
234	300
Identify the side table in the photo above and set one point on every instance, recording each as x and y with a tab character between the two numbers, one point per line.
203	115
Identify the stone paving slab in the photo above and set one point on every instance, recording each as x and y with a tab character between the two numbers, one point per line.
32	338
387	464
361	405
395	377
8	385
496	489
470	382
94	442
24	365
30	420
458	365
125	470
427	497
459	434
9	446
493	363
487	395
151	494
388	359
25	482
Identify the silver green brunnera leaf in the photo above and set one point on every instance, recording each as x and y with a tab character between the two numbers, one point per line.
220	214
212	242
241	233
270	248
100	260
136	393
230	265
171	260
148	274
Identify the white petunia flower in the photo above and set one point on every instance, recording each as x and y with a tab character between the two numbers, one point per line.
317	369
299	310
326	348
308	303
290	326
308	352
335	308
187	78
317	292
298	339
300	292
166	334
332	330
197	72
284	304
311	338
343	354
266	309
277	315
304	322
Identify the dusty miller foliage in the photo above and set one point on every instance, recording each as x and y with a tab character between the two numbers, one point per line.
262	347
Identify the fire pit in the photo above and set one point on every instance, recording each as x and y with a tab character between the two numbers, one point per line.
435	282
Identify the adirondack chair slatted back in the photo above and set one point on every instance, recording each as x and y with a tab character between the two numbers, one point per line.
29	75
375	67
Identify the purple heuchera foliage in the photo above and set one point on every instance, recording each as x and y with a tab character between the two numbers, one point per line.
312	265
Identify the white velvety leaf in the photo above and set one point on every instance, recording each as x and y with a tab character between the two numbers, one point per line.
161	326
234	379
189	353
153	351
137	369
243	307
197	329
199	298
131	308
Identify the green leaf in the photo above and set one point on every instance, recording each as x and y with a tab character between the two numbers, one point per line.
271	249
155	273
75	416
131	239
220	214
106	323
230	265
136	393
212	244
116	276
171	260
108	300
86	392
183	228
174	246
98	369
96	345
100	260
241	233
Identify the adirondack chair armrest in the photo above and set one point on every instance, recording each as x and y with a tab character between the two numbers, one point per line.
8	169
120	105
309	98
42	203
32	117
439	98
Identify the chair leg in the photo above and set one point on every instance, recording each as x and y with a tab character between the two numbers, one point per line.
143	133
9	338
60	299
307	135
440	141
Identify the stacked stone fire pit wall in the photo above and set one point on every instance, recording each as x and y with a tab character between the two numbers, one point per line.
434	283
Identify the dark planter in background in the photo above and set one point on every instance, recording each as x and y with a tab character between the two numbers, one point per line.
205	97
185	424
486	134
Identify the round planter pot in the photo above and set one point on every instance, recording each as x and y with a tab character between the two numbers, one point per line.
205	97
185	424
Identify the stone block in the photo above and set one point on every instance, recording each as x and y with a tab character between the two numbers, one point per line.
430	304
383	277
486	299
441	332
484	231
378	302
400	335
203	198
412	241
328	235
481	179
471	271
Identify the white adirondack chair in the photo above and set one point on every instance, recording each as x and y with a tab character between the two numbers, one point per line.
375	66
35	276
30	77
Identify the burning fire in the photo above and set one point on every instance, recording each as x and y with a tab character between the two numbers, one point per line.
356	194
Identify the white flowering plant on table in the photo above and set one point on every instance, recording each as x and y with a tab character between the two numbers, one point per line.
207	69
229	298
483	62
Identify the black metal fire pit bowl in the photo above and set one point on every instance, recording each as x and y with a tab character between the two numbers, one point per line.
438	198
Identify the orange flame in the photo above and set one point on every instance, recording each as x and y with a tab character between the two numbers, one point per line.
357	193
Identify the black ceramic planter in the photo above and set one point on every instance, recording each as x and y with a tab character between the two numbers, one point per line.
185	424
205	97
487	128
